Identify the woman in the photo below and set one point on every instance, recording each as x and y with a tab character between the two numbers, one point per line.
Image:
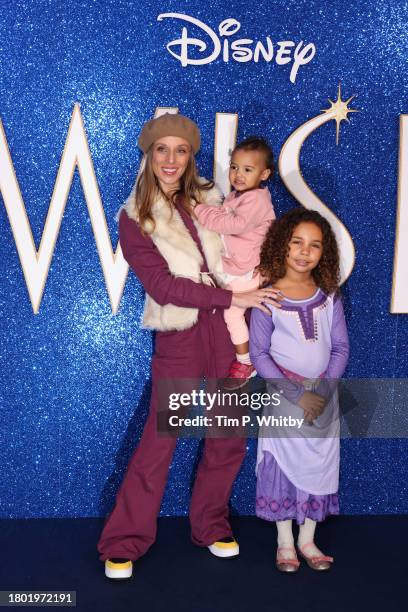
173	257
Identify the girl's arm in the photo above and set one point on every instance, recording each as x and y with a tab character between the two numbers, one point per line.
339	352
153	272
260	332
340	342
245	217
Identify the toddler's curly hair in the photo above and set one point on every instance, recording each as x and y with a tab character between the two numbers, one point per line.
276	246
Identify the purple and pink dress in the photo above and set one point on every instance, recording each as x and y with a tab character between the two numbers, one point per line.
303	345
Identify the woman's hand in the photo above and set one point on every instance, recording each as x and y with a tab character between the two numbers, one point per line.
313	405
258	299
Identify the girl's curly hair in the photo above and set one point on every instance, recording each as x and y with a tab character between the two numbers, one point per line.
276	246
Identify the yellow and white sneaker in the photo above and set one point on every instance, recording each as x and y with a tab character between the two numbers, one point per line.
225	548
118	569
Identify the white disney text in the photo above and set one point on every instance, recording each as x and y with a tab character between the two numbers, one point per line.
240	50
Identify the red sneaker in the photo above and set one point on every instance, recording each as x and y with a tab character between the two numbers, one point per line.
238	375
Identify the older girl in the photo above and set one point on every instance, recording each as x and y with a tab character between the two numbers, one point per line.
304	349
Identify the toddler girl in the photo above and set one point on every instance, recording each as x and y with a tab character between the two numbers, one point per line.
242	220
305	345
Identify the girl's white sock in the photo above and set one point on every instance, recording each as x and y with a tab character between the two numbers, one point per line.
245	358
285	538
306	535
306	532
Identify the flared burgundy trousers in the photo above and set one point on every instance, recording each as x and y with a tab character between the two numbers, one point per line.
130	529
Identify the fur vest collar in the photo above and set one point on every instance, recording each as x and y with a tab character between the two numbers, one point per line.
176	245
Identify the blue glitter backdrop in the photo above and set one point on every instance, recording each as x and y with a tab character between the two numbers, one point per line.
75	378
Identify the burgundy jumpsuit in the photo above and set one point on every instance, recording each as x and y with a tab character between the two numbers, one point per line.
202	350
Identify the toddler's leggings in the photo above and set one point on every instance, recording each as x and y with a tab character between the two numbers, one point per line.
235	316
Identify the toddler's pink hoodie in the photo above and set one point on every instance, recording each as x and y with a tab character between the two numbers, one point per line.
242	220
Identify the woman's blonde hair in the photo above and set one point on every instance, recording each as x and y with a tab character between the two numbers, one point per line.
148	188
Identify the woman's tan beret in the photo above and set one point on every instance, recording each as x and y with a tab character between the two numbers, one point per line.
169	125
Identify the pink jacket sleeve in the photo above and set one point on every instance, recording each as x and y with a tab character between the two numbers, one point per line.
245	217
153	272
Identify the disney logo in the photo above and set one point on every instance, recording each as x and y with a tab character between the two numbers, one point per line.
240	50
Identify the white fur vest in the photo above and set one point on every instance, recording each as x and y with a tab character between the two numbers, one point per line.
183	257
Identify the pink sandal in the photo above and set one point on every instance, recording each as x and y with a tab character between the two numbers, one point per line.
287	565
316	562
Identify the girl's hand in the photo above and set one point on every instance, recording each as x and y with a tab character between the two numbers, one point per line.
313	405
257	299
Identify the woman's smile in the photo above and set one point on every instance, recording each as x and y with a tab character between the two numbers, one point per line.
169	171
